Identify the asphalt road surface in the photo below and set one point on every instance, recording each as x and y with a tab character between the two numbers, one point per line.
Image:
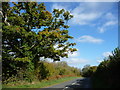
73	84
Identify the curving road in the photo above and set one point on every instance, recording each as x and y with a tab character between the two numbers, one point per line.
73	84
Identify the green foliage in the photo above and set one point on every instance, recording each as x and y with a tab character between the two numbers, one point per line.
108	71
46	70
88	70
22	18
28	74
30	32
22	59
15	72
64	69
41	84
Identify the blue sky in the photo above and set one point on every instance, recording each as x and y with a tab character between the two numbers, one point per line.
94	28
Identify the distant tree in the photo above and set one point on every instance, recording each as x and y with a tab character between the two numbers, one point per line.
85	70
88	70
46	69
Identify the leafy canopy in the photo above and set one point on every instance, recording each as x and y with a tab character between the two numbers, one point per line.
30	32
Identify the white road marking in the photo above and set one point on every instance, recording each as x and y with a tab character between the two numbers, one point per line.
73	83
65	88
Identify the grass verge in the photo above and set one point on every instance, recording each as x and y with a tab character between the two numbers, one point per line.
42	84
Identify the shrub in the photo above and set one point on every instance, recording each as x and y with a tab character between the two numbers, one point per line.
108	72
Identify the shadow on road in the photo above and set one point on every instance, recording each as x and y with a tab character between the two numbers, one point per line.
80	83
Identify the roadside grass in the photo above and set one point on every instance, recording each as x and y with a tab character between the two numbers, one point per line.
42	84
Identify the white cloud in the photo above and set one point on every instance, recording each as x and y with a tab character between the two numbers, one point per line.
89	39
83	18
102	29
111	20
86	13
75	61
73	58
110	16
59	6
99	61
56	6
110	23
83	14
106	54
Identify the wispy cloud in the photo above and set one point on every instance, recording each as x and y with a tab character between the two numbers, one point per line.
89	39
99	61
102	29
87	13
74	59
111	20
60	6
104	55
110	16
83	18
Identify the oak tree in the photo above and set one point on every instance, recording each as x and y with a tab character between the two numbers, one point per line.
30	32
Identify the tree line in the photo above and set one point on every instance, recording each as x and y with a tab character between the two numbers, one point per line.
107	73
45	71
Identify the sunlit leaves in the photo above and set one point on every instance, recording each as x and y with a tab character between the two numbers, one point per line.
31	32
22	59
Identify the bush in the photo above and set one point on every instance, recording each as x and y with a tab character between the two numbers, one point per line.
108	72
46	70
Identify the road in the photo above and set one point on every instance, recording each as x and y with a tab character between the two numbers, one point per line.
73	84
